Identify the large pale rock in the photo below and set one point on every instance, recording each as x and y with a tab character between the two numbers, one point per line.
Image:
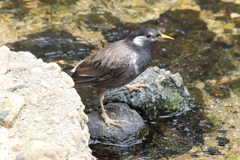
40	150
41	114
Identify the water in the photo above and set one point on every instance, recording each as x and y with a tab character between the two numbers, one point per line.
205	52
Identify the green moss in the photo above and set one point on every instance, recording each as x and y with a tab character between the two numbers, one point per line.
232	157
175	101
238	9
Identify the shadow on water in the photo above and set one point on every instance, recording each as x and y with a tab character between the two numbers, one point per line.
195	54
54	45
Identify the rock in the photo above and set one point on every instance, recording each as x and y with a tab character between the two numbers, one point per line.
166	94
177	79
68	79
10	109
130	120
40	150
3	63
236	49
218	91
41	114
228	26
234	15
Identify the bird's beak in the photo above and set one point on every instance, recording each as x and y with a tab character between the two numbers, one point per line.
165	37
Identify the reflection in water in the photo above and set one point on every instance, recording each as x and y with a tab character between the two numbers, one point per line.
168	137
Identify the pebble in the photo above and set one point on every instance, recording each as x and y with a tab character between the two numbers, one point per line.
234	15
177	79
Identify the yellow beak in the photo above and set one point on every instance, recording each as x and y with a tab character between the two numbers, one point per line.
165	37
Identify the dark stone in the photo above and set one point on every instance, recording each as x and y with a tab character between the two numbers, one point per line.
166	94
222	131
52	45
218	91
213	151
222	141
130	120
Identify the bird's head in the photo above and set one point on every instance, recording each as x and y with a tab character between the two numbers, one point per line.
146	37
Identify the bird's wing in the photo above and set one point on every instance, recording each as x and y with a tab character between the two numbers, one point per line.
108	63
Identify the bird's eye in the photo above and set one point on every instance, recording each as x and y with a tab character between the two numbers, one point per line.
149	35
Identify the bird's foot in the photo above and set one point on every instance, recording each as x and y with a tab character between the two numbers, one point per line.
136	87
109	121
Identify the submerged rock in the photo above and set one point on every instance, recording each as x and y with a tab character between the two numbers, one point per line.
166	94
133	127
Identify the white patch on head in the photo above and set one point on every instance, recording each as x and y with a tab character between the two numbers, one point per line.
139	40
133	62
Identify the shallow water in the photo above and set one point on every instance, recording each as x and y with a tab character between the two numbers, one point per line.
168	137
205	52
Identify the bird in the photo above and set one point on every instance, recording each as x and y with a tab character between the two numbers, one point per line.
117	64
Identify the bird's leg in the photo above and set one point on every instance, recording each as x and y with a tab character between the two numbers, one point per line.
105	117
136	87
107	120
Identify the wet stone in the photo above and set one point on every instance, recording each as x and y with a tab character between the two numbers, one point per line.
177	79
218	91
222	141
133	126
166	94
212	151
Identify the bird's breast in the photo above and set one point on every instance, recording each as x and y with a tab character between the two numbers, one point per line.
140	62
134	63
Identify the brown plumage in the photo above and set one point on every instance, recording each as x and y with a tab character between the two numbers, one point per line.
117	64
